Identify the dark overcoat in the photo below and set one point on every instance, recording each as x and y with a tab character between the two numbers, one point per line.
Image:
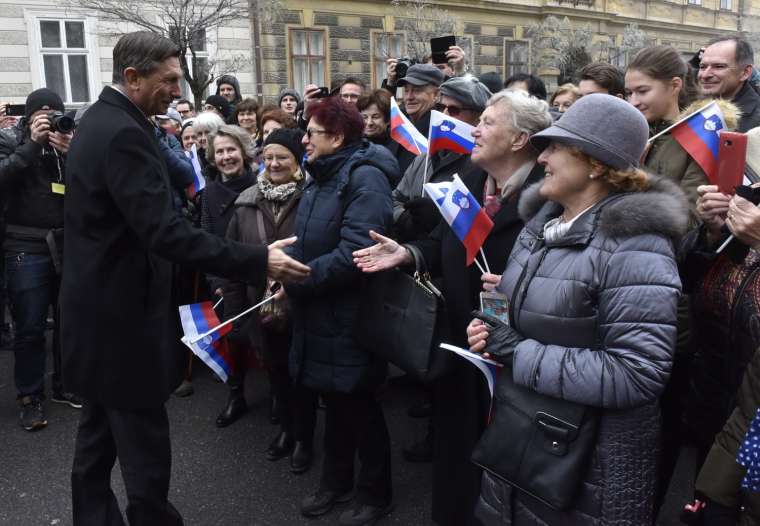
461	399
122	233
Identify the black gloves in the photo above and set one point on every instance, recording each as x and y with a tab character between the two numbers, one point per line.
502	339
424	213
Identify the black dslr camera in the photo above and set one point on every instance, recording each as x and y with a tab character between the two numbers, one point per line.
60	122
402	65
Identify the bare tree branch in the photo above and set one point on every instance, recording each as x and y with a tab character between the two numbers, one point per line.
422	21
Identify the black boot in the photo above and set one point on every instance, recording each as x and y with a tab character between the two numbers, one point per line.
280	447
235	408
300	460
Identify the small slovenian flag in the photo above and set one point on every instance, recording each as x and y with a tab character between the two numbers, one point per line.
198	320
404	132
448	133
462	212
490	368
699	136
199	182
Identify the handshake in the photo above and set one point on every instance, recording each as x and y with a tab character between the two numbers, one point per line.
281	267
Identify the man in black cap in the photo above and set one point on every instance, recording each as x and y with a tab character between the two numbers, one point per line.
218	105
32	171
420	93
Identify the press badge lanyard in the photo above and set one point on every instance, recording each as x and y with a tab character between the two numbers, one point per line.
58	187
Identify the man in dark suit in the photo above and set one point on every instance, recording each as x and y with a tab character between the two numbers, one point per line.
117	324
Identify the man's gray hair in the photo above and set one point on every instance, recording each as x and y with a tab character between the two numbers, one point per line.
207	120
237	134
529	114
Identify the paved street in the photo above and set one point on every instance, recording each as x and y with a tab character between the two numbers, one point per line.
219	477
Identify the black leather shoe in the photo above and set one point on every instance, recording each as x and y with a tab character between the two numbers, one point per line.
280	447
364	514
235	408
323	501
274	410
300	460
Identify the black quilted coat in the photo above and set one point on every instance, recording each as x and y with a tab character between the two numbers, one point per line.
598	311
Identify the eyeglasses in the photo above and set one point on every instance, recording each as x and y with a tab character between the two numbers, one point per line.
310	132
454	111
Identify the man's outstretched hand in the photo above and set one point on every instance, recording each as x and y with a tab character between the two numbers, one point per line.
282	267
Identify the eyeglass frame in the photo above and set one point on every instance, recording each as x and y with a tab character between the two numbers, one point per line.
310	132
440	106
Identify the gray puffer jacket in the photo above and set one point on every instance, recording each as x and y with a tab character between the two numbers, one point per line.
598	311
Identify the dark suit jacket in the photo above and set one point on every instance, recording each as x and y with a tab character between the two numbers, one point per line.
122	233
748	102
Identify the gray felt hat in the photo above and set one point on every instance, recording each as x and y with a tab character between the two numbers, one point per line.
422	74
468	90
604	127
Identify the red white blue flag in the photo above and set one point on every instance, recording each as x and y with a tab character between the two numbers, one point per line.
448	133
699	134
199	182
489	368
404	132
462	212
198	322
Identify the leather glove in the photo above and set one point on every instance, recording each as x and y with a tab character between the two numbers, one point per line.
425	214
502	339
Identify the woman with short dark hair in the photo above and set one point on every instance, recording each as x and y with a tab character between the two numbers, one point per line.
348	194
375	108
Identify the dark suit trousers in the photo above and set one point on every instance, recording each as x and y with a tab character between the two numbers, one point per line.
355	423
140	440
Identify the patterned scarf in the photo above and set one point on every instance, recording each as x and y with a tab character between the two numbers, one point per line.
277	192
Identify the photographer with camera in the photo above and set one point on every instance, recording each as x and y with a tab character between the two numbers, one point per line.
32	169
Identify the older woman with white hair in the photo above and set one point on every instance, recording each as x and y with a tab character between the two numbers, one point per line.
204	125
507	164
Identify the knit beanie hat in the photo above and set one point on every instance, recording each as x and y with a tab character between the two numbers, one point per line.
603	127
43	97
289	91
221	104
290	138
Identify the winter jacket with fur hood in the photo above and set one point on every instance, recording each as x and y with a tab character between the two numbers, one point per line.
598	311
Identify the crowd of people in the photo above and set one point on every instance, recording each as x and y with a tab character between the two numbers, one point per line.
620	310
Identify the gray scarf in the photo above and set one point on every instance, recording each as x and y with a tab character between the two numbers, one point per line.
276	192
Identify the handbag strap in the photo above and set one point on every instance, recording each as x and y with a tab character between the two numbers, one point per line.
419	261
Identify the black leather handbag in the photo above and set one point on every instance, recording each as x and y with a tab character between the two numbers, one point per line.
401	320
539	444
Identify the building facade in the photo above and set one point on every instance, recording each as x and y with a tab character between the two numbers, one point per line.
321	42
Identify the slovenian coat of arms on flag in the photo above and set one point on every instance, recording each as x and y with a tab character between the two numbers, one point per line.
198	321
405	133
199	182
448	133
699	134
462	212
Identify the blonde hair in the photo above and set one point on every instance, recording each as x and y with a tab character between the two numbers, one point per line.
565	88
628	180
237	134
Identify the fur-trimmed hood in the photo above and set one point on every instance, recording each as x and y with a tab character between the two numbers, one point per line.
661	209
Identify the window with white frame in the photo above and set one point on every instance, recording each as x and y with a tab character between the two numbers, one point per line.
694	2
725	4
200	46
385	46
307	58
64	58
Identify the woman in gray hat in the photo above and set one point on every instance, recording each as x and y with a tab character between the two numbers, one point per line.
592	285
